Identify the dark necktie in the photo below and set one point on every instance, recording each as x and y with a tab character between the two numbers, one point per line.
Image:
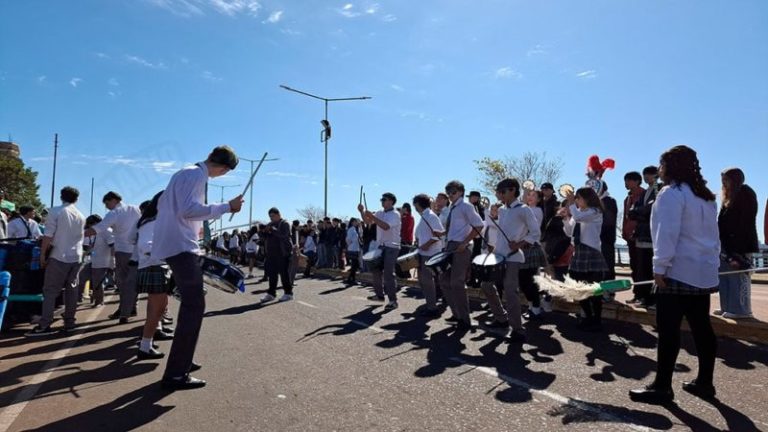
448	222
577	234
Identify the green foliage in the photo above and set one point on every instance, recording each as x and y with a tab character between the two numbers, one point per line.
533	166
19	182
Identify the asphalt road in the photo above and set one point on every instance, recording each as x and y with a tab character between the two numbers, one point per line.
332	361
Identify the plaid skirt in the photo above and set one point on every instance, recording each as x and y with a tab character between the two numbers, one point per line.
155	280
534	257
586	259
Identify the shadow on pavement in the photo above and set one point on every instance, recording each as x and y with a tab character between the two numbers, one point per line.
128	412
357	322
587	412
736	421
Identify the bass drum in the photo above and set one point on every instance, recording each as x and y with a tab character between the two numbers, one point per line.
408	261
222	275
488	267
440	262
374	259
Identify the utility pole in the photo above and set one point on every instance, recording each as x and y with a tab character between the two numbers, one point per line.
55	154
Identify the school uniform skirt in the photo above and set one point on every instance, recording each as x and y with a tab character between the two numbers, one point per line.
587	260
155	280
534	257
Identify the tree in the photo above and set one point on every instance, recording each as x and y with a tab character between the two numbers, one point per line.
310	212
19	182
532	166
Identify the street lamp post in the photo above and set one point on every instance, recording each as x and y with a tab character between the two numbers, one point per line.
222	187
325	134
250	199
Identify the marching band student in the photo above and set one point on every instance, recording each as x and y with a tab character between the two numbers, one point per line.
310	248
181	211
251	249
154	280
462	225
685	266
121	218
387	221
64	236
428	232
494	290
102	252
534	258
221	245
234	247
441	207
352	241
518	228
583	225
24	226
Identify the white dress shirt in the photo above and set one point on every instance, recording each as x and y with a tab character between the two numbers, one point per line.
66	226
686	240
122	219
309	245
391	237
181	212
353	240
518	223
252	245
461	219
429	222
17	228
220	243
144	244
591	220
234	242
101	250
444	215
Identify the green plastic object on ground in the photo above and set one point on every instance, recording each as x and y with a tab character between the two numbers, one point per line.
613	286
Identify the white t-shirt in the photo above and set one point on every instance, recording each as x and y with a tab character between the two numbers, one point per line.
252	245
144	245
353	240
391	237
101	250
429	222
17	228
66	225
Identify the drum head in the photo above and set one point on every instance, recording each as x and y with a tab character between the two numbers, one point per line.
488	259
436	259
372	255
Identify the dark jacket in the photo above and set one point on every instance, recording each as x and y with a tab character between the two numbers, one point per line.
610	212
278	238
738	233
548	209
641	213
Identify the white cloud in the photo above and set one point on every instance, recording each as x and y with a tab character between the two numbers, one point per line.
372	9
290	32
75	81
168	167
208	75
537	50
396	87
286	174
348	10
101	55
41	79
274	17
143	62
587	74
389	18
234	7
507	73
113	82
184	8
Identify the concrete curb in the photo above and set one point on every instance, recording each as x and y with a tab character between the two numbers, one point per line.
751	330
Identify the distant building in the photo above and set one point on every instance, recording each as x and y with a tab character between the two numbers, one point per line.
8	148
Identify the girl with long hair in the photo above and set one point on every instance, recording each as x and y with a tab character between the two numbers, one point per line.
685	265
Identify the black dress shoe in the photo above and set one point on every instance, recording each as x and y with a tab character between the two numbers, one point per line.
516	337
168	329
464	325
154	345
134	312
152	354
700	390
195	367
452	320
497	324
123	320
167	321
652	395
115	315
161	335
430	313
187	382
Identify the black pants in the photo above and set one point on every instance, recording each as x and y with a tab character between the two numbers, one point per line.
188	276
354	263
278	265
529	287
644	273
593	306
670	310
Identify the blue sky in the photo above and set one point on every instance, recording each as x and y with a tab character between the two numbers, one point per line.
138	88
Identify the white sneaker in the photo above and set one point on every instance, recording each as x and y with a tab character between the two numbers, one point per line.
286	297
267	298
546	305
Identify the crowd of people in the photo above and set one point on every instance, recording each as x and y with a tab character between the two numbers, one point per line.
677	242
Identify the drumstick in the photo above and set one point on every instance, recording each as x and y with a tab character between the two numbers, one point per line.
365	202
361	194
250	181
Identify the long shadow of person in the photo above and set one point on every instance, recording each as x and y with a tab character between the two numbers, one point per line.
411	330
578	411
128	412
443	347
736	421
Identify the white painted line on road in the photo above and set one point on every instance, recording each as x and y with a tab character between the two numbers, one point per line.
306	304
9	414
556	397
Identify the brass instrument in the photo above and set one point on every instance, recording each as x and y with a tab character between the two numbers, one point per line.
565	190
529	185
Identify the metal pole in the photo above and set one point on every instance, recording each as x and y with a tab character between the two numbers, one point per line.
55	154
325	138
250	204
91	210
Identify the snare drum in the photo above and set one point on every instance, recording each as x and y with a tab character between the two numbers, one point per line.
440	262
222	275
408	261
488	267
374	259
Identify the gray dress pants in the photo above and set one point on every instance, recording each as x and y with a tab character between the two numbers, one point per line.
453	282
60	275
427	283
384	279
126	283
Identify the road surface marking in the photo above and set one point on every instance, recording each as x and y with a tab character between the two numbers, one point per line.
306	304
10	413
556	397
